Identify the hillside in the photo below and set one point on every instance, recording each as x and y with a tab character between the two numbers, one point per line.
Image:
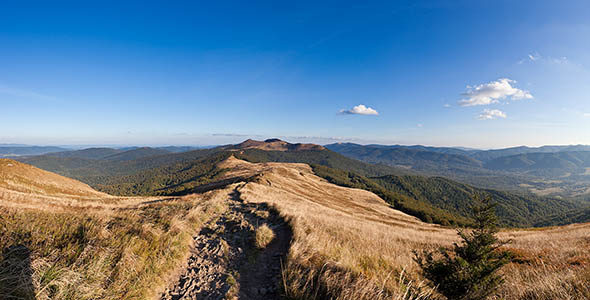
179	178
513	209
321	157
418	158
353	241
23	178
556	171
62	240
88	153
551	164
329	242
136	154
94	171
573	216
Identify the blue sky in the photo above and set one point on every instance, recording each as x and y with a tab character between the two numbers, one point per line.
154	73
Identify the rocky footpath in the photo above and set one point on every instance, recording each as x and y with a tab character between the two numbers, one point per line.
225	264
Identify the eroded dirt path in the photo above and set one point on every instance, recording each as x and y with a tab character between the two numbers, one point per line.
225	264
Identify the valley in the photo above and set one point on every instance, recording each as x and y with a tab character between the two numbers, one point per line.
557	171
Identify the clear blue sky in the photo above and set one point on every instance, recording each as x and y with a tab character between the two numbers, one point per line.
455	73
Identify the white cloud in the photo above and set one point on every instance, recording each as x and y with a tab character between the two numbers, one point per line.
490	114
447	105
360	110
586	115
493	92
535	56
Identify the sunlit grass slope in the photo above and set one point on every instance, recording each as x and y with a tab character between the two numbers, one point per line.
62	240
349	244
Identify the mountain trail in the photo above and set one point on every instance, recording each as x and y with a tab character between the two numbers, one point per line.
225	263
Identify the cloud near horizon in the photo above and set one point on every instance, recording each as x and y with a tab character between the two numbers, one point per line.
493	92
360	110
490	114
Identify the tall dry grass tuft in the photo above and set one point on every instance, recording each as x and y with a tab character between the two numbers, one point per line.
264	235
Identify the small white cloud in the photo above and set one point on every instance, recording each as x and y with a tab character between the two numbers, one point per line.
493	92
586	115
360	110
535	56
419	125
447	105
490	114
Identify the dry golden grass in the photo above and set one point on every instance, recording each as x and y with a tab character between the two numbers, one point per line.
60	243
109	253
16	176
349	244
264	235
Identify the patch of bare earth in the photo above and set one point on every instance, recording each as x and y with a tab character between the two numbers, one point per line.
225	263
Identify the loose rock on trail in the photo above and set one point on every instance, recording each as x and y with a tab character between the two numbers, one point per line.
225	264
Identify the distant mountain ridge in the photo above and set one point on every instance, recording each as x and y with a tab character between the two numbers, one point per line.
547	170
486	155
15	150
274	145
421	158
418	157
549	163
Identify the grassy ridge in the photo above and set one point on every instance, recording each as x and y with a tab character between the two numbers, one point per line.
421	209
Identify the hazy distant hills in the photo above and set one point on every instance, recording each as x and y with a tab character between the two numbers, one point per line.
89	153
487	155
556	163
16	150
547	170
13	150
422	157
415	157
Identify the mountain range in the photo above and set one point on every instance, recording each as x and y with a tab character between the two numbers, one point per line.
554	170
398	174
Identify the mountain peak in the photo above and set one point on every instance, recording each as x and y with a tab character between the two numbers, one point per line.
275	144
